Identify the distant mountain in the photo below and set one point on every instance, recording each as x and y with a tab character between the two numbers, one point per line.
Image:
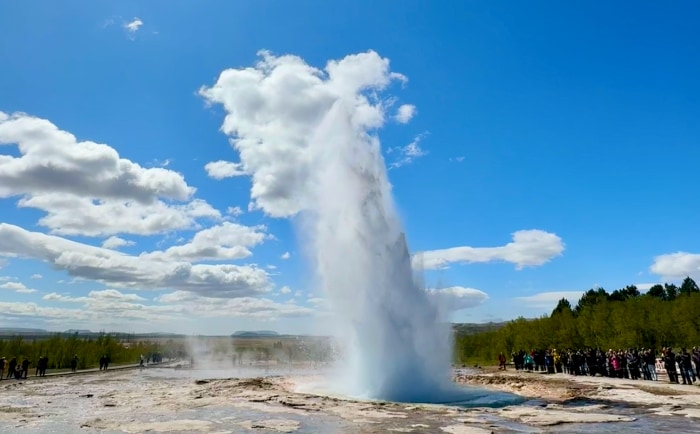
255	334
21	330
78	332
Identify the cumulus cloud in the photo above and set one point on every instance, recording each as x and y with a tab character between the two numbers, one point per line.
224	169
549	300
143	272
86	188
318	302
677	265
36	276
72	215
133	26
285	290
409	153
405	113
53	161
286	255
116	242
103	307
457	298
644	286
225	241
234	211
111	295
260	308
17	287
529	248
36	312
275	109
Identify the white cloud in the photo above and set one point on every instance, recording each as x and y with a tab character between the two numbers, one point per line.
110	295
318	302
286	255
104	307
114	242
677	265
528	248
457	298
275	110
17	287
53	161
115	268
405	113
261	308
409	153
72	215
86	188
549	300
133	26
35	312
225	241
36	276
457	159
224	169
644	286
234	211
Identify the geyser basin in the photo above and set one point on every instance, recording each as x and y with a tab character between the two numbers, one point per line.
451	394
465	396
308	139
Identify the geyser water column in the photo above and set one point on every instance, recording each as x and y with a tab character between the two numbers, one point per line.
306	137
398	347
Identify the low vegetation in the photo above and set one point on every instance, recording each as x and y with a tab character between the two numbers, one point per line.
61	349
666	315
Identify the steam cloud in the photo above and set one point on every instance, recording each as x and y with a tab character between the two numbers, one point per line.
305	136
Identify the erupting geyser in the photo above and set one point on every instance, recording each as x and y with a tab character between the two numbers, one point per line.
306	138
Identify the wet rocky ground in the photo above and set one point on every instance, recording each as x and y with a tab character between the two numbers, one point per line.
190	401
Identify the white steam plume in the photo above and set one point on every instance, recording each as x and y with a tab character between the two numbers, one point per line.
306	138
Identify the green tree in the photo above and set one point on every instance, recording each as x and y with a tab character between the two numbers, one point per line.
562	305
688	286
671	291
660	318
591	298
657	291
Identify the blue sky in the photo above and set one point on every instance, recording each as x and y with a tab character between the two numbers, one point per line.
573	122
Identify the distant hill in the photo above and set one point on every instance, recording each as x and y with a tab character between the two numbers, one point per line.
78	332
474	328
255	334
20	331
7	332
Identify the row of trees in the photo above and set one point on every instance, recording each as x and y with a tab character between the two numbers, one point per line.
61	349
666	315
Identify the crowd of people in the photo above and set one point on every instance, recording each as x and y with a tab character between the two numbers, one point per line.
631	363
20	370
15	368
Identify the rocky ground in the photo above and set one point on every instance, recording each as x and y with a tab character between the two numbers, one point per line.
168	400
656	397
